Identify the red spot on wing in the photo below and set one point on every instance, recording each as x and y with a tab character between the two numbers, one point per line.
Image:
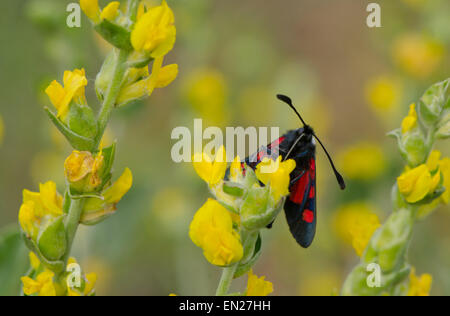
312	192
299	189
308	216
312	168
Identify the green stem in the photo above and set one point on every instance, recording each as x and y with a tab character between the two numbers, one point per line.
111	95
133	6
76	206
226	279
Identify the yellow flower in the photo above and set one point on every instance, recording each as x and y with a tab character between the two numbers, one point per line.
91	9
383	94
43	285
48	202
419	286
212	172
362	161
82	165
418	55
276	174
444	165
350	216
111	11
119	188
207	93
415	184
258	286
89	279
34	261
61	97
212	230
161	77
365	224
410	121
154	32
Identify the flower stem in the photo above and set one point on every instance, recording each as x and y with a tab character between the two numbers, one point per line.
111	96
225	280
72	222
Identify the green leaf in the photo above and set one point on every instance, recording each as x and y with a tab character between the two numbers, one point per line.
13	261
115	34
233	189
77	141
245	267
52	240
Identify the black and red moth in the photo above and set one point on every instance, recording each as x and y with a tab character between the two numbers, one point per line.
300	206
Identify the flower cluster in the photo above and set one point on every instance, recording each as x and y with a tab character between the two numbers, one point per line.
141	36
422	186
246	201
42	282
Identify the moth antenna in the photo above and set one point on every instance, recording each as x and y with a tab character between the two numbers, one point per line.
339	178
288	101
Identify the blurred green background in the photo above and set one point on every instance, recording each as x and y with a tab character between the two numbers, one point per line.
352	83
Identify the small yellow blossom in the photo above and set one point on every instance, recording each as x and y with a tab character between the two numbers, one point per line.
212	172
258	286
111	11
90	280
119	188
82	165
43	285
415	184
155	32
91	9
362	231
419	286
74	87
276	174
383	94
418	55
349	217
410	121
141	83
34	261
362	161
207	93
212	230
38	205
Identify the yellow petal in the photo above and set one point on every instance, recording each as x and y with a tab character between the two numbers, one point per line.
90	8
30	286
219	166
444	165
91	280
111	11
48	289
222	247
154	31
421	188
433	160
410	121
119	188
167	75
258	286
50	198
27	218
78	165
34	261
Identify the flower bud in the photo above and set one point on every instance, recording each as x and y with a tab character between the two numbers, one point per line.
52	240
84	171
433	102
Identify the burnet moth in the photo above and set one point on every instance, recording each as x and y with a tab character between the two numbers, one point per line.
300	205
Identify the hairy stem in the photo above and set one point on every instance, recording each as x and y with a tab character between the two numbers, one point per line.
111	95
225	280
